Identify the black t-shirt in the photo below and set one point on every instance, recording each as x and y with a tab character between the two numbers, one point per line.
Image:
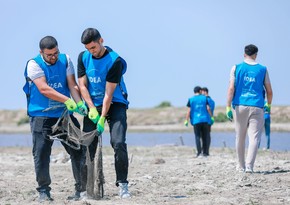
113	76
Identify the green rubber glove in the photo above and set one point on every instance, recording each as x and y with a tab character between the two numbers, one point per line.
82	108
70	105
94	115
186	123
268	107
101	125
212	120
229	113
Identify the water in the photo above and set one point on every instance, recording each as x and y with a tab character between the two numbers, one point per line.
280	141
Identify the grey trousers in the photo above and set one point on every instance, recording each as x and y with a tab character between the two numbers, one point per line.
248	120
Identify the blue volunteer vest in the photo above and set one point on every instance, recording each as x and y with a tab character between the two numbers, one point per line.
249	85
211	104
56	78
198	110
97	70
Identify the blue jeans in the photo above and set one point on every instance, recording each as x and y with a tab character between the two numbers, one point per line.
117	120
41	127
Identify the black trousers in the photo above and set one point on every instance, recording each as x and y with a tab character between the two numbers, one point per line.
117	120
202	138
41	127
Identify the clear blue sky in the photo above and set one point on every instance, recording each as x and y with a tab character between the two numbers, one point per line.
170	46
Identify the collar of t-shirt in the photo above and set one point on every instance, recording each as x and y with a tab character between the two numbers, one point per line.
250	61
105	53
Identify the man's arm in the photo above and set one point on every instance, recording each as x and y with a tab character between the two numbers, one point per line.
47	91
73	87
84	91
231	88
269	92
230	95
268	87
209	110
110	88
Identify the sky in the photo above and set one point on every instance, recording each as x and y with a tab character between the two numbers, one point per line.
170	46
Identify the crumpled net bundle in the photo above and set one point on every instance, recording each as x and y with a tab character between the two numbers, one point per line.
67	132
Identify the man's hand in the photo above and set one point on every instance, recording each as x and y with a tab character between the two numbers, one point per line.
186	123
267	107
94	115
70	105
229	113
212	120
82	108
101	125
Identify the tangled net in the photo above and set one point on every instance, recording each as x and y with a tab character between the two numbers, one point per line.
67	132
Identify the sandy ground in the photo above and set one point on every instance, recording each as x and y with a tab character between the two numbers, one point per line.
157	175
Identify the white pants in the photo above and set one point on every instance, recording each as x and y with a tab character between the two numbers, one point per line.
251	120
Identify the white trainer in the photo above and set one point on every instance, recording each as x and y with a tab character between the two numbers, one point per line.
124	192
84	196
240	169
249	170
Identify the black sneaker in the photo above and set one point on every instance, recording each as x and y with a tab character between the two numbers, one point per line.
44	196
75	197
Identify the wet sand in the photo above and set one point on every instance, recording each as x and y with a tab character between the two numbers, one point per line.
157	175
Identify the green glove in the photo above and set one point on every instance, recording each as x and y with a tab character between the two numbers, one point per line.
70	105
267	107
229	113
186	123
82	108
101	125
94	115
212	120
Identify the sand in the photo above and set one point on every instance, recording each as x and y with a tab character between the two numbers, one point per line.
157	175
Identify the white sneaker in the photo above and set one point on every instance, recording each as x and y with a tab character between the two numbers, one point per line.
249	170
240	169
124	193
83	195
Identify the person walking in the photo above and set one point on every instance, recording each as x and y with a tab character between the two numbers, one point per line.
197	113
50	80
211	104
248	80
100	76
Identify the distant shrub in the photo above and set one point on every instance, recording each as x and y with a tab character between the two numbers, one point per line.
221	117
164	104
23	120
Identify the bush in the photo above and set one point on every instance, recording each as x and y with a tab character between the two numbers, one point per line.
164	104
23	120
221	117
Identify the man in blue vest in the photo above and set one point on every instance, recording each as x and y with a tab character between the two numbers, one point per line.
246	96
100	76
198	111
211	104
50	80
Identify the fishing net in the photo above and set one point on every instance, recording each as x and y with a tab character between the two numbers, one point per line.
67	132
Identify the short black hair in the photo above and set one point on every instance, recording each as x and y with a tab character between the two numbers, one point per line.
47	42
89	35
197	89
204	89
251	49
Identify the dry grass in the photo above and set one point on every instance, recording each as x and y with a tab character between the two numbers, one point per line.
153	119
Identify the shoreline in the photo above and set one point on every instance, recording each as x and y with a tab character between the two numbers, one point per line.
217	127
168	119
